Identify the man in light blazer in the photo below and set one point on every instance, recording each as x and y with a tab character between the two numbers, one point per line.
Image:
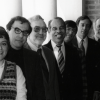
34	43
70	78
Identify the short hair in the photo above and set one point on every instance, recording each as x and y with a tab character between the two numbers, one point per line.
35	18
71	23
18	18
4	34
59	18
83	18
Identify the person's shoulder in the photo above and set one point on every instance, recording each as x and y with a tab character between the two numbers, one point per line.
46	48
93	42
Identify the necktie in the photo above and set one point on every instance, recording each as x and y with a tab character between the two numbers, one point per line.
60	60
84	78
43	65
82	48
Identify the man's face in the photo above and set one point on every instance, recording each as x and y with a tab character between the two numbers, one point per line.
70	33
18	34
83	28
57	31
97	28
39	32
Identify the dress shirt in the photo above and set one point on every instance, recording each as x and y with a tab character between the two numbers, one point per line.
85	43
55	49
21	86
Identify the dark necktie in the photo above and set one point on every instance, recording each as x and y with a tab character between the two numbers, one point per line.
60	60
84	78
43	65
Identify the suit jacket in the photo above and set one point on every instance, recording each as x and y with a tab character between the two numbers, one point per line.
92	69
71	81
51	87
29	62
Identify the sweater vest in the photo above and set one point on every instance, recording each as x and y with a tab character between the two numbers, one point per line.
8	90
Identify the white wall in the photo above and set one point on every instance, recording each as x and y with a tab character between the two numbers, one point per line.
69	9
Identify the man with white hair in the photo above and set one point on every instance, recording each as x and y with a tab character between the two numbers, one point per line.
97	30
47	59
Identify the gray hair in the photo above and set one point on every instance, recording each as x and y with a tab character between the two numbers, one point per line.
35	18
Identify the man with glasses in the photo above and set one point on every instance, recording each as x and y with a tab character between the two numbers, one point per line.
47	59
18	29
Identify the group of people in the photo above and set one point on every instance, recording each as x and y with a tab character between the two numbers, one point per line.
66	68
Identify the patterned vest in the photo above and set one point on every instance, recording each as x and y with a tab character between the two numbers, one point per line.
8	89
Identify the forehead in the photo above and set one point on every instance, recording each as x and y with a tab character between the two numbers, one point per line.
98	22
57	23
40	23
19	24
85	21
2	39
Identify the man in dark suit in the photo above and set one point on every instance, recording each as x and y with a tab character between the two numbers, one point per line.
47	60
92	55
18	29
68	74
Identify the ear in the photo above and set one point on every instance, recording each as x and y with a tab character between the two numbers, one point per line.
49	30
7	30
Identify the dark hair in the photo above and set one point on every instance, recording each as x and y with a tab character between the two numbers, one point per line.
71	23
83	18
18	18
3	33
59	18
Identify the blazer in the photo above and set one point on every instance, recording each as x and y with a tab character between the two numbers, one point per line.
92	69
52	87
71	81
29	63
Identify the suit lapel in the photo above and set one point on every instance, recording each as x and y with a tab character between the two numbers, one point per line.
74	42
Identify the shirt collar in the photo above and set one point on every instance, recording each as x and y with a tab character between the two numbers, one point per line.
54	45
79	39
32	46
2	64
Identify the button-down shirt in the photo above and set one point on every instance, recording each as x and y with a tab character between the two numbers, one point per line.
85	43
55	49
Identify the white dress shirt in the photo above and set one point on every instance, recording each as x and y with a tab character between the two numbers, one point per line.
55	49
85	43
21	86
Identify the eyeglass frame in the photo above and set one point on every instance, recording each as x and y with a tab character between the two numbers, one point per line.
44	29
25	33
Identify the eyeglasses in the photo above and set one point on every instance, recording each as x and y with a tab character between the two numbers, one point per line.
37	29
18	31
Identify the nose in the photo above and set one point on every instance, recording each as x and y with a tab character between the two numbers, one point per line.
40	32
84	27
58	30
0	47
21	34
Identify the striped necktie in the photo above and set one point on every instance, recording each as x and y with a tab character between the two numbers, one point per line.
60	60
84	78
